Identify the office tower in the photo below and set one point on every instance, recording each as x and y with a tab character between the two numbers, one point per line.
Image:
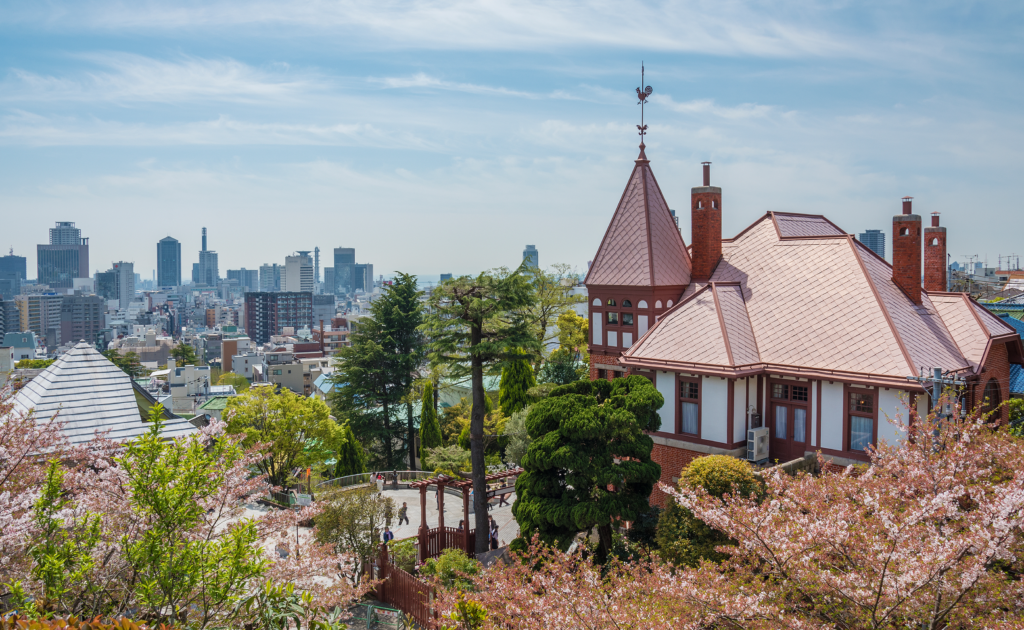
363	279
168	262
323	310
446	276
40	314
12	274
9	318
64	259
248	279
298	273
106	285
125	282
268	314
329	280
531	256
316	264
81	318
270	278
207	273
875	241
344	270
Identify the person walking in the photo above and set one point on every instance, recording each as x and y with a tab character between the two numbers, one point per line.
380	483
403	514
494	534
388	535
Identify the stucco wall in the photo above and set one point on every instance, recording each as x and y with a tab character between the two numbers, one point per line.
666	384
832	415
714	410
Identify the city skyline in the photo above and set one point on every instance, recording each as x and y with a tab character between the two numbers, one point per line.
454	126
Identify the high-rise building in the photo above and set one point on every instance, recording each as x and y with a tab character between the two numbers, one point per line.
9	317
316	264
248	279
12	274
207	273
40	314
168	262
363	280
344	270
125	272
298	273
875	241
446	276
81	318
268	314
64	259
324	310
531	256
270	278
329	280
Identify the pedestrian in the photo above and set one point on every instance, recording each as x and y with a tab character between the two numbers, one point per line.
403	514
380	483
390	535
494	534
461	524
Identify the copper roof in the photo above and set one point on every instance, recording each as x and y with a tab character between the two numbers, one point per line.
642	246
794	291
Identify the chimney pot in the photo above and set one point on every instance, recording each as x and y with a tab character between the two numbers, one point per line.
706	223
935	219
906	205
707	173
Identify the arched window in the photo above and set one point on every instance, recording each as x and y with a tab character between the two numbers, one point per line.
700	204
904	231
642	304
627	304
714	203
670	303
597	301
611	302
657	304
991	398
935	241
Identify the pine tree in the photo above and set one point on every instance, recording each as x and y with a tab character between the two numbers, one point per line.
430	428
516	378
351	458
589	464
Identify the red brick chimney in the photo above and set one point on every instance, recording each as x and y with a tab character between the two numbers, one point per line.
935	256
906	252
706	227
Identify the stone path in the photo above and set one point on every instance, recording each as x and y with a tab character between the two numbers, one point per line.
507	526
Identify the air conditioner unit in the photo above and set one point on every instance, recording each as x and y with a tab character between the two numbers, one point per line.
757	444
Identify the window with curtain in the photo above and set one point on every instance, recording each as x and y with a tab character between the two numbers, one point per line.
690	418
862	420
799	424
781	428
689	391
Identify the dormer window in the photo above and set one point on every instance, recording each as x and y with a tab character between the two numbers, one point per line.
627	304
611	302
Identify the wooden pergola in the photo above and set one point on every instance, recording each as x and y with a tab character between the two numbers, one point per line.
433	541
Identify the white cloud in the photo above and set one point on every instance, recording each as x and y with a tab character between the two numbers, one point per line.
125	78
708	106
421	80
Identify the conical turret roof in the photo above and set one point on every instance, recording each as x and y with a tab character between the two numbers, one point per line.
642	246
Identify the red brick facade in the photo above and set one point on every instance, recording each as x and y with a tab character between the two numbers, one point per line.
906	254
935	257
997	368
672	461
706	225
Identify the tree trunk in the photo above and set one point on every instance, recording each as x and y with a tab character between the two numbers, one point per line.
389	455
604	543
412	436
476	446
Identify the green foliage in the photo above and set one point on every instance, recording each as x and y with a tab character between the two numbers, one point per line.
404	553
184	354
169	484
34	364
589	465
516	379
128	363
642	535
430	428
278	606
351	459
683	539
453	569
15	622
451	460
298	430
375	374
1016	406
553	291
66	537
562	368
468	615
518	440
352	520
239	382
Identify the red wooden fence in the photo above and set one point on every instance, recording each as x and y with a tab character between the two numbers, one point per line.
402	590
437	540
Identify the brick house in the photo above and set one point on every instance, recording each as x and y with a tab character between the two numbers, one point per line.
792	321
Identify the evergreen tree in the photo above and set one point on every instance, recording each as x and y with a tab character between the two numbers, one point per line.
589	463
430	428
475	324
516	378
351	458
184	354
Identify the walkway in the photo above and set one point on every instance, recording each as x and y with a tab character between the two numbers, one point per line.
508	529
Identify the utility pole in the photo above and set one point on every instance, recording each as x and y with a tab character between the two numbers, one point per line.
936	380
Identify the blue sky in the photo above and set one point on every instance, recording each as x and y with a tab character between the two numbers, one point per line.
443	136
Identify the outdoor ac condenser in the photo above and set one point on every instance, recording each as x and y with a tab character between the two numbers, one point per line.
757	444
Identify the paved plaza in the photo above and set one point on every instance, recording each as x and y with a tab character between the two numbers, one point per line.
507	526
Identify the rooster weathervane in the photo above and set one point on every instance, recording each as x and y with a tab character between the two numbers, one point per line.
642	93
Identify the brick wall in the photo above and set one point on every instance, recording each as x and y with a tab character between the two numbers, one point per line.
672	461
906	254
934	259
997	367
706	230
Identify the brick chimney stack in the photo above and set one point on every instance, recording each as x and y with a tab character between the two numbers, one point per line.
706	226
935	256
906	251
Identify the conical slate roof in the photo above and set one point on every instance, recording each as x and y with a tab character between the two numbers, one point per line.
91	395
642	246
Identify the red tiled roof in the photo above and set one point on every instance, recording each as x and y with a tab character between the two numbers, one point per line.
642	246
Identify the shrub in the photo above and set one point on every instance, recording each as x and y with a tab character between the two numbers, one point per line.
685	540
403	553
454	569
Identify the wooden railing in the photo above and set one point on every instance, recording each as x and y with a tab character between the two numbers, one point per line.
403	591
439	539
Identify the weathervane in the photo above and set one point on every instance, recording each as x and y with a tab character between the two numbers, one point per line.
642	93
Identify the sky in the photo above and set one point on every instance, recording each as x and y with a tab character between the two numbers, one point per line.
442	136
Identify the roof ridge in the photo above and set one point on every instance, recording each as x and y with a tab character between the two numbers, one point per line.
881	305
608	229
721	322
647	220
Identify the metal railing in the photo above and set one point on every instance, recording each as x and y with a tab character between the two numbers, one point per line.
404	477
